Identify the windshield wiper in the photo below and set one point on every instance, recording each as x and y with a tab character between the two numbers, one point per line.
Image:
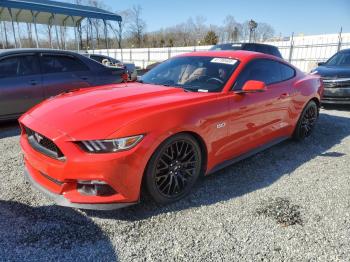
187	89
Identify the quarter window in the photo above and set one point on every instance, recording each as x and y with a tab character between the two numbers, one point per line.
287	72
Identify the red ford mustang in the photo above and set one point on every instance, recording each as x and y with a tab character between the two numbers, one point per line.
189	116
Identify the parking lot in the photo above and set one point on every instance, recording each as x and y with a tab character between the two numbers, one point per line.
291	202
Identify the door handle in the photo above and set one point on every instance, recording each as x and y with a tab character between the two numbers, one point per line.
284	95
84	78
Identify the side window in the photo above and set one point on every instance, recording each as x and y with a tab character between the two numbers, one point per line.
18	66
264	70
9	67
97	58
61	64
287	72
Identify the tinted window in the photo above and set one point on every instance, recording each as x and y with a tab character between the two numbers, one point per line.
339	59
97	58
59	64
264	70
101	58
18	66
287	72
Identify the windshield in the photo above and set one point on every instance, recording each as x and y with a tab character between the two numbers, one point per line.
340	59
193	73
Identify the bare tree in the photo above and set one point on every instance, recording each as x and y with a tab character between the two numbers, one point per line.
137	25
200	28
119	31
232	29
264	31
132	30
245	31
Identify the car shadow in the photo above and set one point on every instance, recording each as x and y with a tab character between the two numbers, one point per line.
50	233
251	174
9	129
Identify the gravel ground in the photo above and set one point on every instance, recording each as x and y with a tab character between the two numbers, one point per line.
291	202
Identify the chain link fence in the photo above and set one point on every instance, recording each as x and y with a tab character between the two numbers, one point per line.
302	51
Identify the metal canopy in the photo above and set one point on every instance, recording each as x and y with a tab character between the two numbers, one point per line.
51	12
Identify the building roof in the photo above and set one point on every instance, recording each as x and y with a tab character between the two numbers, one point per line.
64	13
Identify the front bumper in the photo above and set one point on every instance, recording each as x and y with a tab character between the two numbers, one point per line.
62	201
336	95
59	180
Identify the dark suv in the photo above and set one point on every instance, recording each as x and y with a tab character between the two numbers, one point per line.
261	48
336	78
28	76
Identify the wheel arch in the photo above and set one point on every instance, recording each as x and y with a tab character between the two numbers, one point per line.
316	100
318	104
198	138
203	147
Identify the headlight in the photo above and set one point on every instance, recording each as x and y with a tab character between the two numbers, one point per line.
110	146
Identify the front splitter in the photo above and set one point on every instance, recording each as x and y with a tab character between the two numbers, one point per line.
62	201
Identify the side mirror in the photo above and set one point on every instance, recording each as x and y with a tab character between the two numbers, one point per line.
320	63
253	86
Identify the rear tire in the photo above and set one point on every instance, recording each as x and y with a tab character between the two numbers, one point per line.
306	122
173	169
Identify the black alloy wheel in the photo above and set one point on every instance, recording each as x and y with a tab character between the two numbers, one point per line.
173	169
307	121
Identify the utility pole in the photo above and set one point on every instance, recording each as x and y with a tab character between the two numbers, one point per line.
252	26
340	38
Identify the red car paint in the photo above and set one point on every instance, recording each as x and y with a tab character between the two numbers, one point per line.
227	124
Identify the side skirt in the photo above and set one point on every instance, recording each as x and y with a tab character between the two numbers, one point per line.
246	155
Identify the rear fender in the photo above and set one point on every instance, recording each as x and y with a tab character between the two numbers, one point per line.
310	86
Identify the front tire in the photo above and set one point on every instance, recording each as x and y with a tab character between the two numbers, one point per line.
307	121
173	169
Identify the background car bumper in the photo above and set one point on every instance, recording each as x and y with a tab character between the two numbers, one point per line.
336	95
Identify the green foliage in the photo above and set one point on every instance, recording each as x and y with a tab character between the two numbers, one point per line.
211	38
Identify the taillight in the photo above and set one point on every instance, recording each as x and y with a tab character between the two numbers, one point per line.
125	77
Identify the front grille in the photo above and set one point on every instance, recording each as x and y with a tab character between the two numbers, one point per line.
43	144
336	82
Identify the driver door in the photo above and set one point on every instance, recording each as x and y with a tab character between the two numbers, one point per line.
257	119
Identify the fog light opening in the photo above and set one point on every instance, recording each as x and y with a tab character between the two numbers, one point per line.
94	188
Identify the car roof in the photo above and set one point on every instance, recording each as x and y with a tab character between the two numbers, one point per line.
98	55
33	50
242	43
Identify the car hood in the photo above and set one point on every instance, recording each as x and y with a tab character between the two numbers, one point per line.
333	71
77	114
